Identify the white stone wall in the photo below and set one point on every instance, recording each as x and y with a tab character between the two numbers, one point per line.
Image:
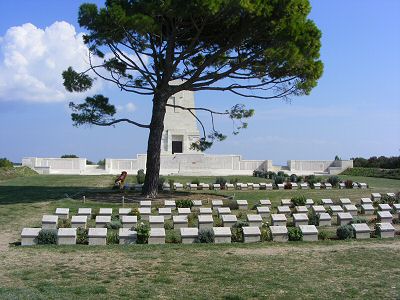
198	164
56	165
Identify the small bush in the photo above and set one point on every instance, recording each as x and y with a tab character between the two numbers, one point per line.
206	236
234	180
358	220
345	232
140	176
172	237
323	235
112	238
281	173
218	223
348	184
266	235
82	236
143	233
334	180
388	200
288	186
135	212
184	203
232	205
221	180
278	179
295	234
300	179
311	180
377	229
160	184
293	178
116	224
237	231
270	175
168	225
47	237
64	223
192	219
313	219
195	181
171	184
299	200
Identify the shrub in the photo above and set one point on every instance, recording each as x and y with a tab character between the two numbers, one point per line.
313	219
143	233
184	203
172	237
195	181
135	212
311	180
334	180
288	186
388	199
299	200
47	237
348	184
266	235
295	234
5	163
323	235
232	205
168	224
271	175
281	173
205	236
115	224
278	179
345	232
112	238
64	223
300	179
218	223
377	229
192	219
140	176
358	220
234	180
221	180
82	236
237	231
171	184
161	181
293	178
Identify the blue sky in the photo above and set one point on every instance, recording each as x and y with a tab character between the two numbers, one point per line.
354	110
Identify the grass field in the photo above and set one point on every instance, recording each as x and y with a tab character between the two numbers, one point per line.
326	269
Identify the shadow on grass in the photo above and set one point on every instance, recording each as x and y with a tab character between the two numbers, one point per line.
33	194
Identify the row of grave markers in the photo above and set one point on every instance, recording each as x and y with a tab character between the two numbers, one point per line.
344	214
177	186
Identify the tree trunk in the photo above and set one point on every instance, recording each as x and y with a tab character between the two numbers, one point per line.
150	187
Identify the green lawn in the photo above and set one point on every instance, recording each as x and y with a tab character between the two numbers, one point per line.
326	269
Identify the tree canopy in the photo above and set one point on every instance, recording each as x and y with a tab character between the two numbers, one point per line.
261	49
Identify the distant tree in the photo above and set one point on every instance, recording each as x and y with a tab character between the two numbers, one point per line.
69	156
255	49
89	162
5	163
102	162
382	162
337	157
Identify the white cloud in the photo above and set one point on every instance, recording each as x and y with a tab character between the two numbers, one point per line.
32	60
128	107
